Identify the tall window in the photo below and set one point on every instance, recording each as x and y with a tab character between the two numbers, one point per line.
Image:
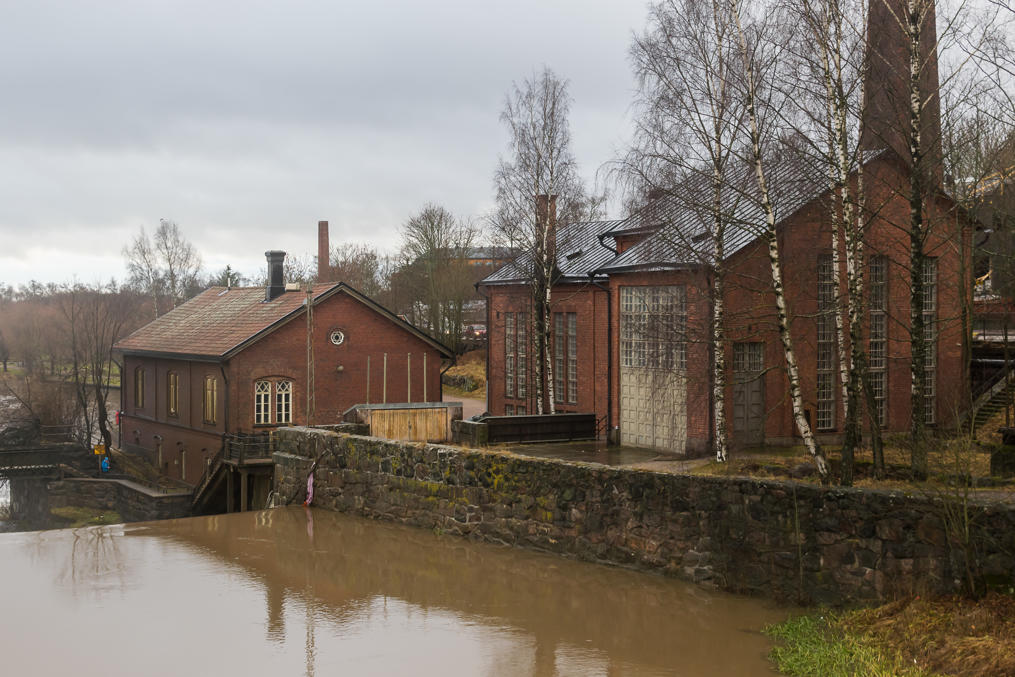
653	327
516	341
930	339
509	354
139	387
877	344
284	402
826	354
173	393
565	357
262	402
283	410
210	398
522	343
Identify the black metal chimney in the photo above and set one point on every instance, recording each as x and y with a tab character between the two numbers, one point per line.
276	283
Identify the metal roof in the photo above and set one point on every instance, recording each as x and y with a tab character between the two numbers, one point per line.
579	252
681	221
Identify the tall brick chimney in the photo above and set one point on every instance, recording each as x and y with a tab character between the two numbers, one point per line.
887	114
276	281
323	253
546	210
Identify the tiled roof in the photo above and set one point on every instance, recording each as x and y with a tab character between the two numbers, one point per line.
579	252
221	320
682	221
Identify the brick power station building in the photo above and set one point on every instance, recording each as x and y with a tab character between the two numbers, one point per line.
234	360
631	308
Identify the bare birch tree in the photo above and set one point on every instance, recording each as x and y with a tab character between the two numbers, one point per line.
758	98
826	88
686	131
908	108
540	163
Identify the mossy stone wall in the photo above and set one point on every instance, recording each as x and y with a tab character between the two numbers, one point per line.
780	539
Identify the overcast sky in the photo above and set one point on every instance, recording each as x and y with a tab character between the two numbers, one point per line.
247	122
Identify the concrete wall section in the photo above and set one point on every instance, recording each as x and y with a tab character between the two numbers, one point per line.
789	541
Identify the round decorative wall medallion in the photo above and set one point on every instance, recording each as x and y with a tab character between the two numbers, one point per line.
337	337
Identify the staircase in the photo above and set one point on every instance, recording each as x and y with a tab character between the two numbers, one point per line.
993	399
208	483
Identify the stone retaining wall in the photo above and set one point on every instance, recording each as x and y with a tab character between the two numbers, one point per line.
780	539
133	502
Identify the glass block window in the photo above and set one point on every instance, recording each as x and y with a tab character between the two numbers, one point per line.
930	339
826	352
878	339
572	358
565	357
653	327
522	342
509	354
516	343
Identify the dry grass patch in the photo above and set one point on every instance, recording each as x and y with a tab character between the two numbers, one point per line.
952	636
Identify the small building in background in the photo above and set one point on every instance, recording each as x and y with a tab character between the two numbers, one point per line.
236	361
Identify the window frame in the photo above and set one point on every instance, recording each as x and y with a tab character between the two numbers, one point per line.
172	394
209	400
273	400
825	345
139	384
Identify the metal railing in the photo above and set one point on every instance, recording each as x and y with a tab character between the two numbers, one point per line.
242	447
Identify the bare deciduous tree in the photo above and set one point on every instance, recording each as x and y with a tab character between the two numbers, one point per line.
760	101
540	163
689	120
164	266
435	245
360	266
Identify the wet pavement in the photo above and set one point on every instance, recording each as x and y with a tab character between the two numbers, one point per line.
302	591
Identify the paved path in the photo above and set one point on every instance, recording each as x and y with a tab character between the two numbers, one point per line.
470	407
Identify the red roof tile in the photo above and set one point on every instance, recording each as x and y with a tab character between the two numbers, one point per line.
216	321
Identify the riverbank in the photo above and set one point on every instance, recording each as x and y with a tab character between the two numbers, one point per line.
785	540
910	637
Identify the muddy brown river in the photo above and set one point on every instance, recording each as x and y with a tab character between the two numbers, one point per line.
298	592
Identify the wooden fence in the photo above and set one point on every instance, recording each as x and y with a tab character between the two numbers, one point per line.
412	422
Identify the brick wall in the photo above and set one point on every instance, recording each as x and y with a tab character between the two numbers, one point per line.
589	304
341	380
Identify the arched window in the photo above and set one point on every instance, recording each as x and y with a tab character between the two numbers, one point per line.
210	399
173	393
139	388
284	402
265	391
262	402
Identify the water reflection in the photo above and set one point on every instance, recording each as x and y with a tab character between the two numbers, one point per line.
295	590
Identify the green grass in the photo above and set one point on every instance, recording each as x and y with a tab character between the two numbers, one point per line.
74	517
814	645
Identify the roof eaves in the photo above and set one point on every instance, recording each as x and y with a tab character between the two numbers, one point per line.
195	357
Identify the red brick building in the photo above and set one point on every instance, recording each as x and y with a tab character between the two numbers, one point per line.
631	315
234	360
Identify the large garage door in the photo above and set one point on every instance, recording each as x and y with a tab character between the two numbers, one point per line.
653	383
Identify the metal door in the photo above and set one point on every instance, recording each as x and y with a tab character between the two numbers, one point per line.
748	393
